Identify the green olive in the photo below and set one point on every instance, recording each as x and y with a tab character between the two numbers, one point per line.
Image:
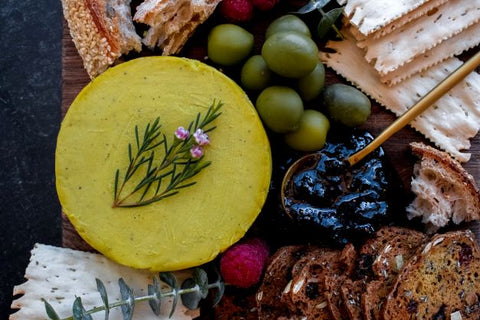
229	44
255	74
280	108
311	133
287	22
290	54
312	84
346	104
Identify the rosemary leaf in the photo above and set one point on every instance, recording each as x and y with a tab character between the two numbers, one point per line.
166	171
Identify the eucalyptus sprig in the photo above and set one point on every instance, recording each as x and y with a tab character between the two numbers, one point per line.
191	292
161	167
328	18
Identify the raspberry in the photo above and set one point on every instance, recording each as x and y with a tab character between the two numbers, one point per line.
236	10
264	5
242	264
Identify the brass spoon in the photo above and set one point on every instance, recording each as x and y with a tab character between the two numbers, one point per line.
423	104
309	160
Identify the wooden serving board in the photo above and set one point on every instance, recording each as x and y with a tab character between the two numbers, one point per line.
74	79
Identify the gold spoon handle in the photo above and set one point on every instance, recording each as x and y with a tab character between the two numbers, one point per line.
425	102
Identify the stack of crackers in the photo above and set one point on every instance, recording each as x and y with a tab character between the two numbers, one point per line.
397	51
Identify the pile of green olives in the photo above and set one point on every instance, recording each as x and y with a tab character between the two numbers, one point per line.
285	76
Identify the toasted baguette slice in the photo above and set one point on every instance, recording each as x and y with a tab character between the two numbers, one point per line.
102	31
444	190
442	281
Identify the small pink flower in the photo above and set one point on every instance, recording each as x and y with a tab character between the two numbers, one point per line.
196	152
201	138
182	133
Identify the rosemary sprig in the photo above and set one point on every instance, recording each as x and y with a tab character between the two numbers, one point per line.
328	18
163	166
191	292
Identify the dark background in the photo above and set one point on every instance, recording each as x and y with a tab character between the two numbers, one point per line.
30	97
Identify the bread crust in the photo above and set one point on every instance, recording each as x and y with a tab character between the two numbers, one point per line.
101	31
444	190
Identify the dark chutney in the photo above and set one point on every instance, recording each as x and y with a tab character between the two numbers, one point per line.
327	196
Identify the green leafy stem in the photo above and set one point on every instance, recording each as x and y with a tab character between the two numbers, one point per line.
191	292
328	18
164	177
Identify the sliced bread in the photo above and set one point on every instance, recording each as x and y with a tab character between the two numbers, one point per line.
101	30
277	276
386	267
444	190
442	281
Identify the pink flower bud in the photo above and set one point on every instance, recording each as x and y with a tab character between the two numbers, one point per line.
196	152
201	138
182	133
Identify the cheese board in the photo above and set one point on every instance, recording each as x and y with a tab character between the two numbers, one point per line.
397	149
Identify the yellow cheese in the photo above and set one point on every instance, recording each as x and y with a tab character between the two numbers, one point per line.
187	229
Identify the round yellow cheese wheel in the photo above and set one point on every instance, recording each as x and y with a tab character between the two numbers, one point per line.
193	226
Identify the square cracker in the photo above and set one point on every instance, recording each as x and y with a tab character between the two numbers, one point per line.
428	8
404	44
456	45
449	123
368	16
59	275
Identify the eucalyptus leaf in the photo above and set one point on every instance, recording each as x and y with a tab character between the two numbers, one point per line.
327	21
219	292
103	294
79	312
155	290
50	311
312	5
192	299
171	280
201	279
127	295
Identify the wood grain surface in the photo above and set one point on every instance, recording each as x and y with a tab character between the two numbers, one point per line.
75	78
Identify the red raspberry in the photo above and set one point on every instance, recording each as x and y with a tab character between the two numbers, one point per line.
236	10
264	5
242	264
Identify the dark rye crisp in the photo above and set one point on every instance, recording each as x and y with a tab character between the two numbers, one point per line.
442	281
276	277
386	266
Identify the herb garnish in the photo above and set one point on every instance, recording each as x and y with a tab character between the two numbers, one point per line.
328	18
164	176
191	292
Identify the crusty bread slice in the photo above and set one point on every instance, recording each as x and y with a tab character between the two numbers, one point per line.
386	266
442	281
351	295
315	289
277	275
102	31
172	22
444	190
